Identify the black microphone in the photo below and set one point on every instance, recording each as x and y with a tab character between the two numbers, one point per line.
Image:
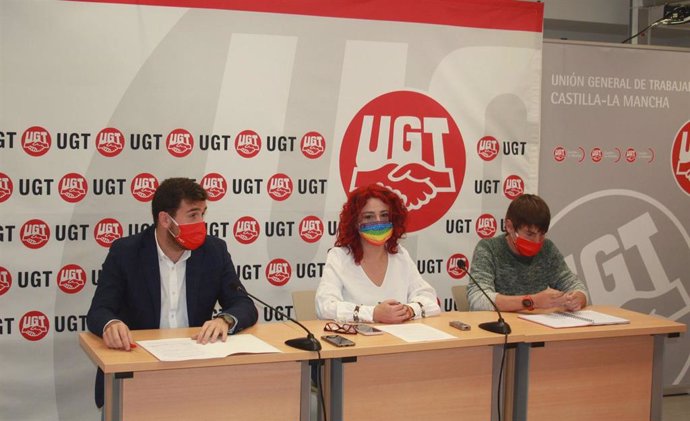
310	343
499	326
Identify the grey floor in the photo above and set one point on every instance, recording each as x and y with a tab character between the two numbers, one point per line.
676	408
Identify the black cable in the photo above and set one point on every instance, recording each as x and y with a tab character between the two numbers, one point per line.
500	376
664	19
319	384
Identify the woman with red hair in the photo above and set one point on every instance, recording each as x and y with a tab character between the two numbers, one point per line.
368	276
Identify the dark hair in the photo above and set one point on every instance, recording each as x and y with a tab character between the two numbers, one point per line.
529	210
171	192
348	227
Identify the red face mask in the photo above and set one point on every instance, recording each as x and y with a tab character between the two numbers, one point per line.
190	236
526	247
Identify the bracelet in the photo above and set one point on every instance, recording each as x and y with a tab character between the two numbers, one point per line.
355	314
421	307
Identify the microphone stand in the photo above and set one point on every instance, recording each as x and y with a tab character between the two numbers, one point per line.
309	343
499	326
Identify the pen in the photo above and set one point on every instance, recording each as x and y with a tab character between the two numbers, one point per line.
132	346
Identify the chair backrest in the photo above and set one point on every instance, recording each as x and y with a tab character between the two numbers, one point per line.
460	297
304	304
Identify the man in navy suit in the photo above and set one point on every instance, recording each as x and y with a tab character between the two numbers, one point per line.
169	275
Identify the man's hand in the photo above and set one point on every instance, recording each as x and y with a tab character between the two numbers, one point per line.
549	298
575	300
391	311
211	330
118	336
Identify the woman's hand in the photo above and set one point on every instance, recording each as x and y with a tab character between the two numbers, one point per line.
391	311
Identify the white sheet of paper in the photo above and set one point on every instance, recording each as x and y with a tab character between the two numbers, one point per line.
181	349
415	332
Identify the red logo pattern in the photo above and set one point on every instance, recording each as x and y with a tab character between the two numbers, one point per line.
215	185
34	325
6	187
5	280
453	268
278	272
179	143
248	143
246	230
408	142
35	234
313	145
487	148
106	231
311	229
513	186
71	279
73	187
110	142
486	226
36	141
143	187
680	158
280	187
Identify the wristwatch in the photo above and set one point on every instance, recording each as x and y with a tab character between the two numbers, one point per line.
528	303
227	318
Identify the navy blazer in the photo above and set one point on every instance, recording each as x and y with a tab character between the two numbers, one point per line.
129	288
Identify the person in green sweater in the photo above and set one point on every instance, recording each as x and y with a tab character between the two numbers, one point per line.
521	269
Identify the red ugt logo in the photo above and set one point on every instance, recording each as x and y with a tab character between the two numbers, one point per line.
408	142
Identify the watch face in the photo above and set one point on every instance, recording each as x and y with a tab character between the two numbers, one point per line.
527	303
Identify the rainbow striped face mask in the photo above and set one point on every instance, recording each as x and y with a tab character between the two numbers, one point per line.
376	233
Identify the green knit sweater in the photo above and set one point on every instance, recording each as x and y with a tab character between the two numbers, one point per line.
498	270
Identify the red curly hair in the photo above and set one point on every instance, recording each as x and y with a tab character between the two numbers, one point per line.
348	227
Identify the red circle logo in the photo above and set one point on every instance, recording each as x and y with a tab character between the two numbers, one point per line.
71	279
631	155
313	145
408	142
34	325
143	187
597	155
36	141
35	234
248	143
278	272
487	148
6	187
453	268
486	226
106	231
513	186
179	143
246	230
280	187
110	142
680	158
5	280
215	186
559	154
73	187
311	229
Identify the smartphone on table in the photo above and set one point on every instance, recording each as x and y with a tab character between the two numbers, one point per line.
337	340
460	325
368	330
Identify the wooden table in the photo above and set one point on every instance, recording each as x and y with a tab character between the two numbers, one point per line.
611	372
384	377
243	387
585	373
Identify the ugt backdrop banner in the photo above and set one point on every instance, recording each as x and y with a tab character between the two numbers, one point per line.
616	171
278	108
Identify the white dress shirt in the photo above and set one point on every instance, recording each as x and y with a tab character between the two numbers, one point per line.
345	286
173	289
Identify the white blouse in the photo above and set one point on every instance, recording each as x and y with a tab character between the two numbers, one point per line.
344	285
